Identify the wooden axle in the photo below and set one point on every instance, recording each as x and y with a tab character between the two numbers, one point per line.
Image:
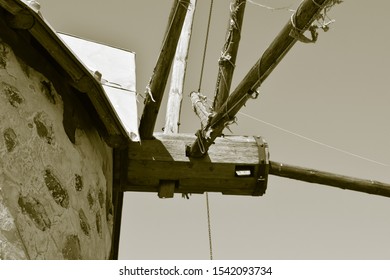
330	179
236	165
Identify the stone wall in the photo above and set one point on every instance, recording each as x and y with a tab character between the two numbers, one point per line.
55	191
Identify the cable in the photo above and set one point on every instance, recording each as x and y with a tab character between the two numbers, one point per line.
288	8
315	141
205	45
200	86
209	225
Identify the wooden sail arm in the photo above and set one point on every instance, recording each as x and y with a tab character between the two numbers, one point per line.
158	81
305	15
172	118
329	179
229	52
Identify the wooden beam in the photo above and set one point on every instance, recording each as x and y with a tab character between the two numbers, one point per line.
120	161
158	81
201	108
172	118
329	179
235	166
307	12
166	189
227	61
13	6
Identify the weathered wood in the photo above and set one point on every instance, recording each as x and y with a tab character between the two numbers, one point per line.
21	20
304	16
158	81
330	179
166	189
82	80
172	118
11	6
201	109
163	159
227	61
120	165
118	197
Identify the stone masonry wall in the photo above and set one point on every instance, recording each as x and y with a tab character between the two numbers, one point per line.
55	195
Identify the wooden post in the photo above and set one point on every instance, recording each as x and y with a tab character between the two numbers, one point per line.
330	179
300	22
120	161
158	81
172	118
228	57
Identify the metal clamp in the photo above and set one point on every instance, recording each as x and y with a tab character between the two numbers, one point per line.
263	168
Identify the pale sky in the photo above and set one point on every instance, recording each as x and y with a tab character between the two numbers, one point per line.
335	92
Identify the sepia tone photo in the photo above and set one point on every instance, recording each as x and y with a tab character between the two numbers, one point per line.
194	130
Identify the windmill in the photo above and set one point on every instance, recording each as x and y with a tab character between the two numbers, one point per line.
227	106
188	156
165	163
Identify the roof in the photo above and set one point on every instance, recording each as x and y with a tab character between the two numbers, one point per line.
25	16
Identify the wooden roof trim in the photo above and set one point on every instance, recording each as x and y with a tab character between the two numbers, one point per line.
24	17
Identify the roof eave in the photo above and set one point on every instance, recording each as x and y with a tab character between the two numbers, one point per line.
24	17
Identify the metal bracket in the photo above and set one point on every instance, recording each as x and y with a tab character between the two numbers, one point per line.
263	168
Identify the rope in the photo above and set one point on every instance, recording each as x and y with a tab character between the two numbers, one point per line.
209	225
199	138
205	45
288	8
316	142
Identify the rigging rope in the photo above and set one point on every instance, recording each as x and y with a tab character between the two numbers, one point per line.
200	86
205	45
209	225
287	8
316	142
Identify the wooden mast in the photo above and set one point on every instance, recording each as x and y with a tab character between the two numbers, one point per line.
227	61
307	12
172	118
226	66
158	81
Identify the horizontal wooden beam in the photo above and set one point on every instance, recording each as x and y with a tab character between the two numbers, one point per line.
330	179
233	166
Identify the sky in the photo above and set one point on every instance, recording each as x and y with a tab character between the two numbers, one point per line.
334	92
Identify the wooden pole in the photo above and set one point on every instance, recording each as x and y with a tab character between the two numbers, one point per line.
172	118
158	81
307	12
201	108
228	57
330	179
